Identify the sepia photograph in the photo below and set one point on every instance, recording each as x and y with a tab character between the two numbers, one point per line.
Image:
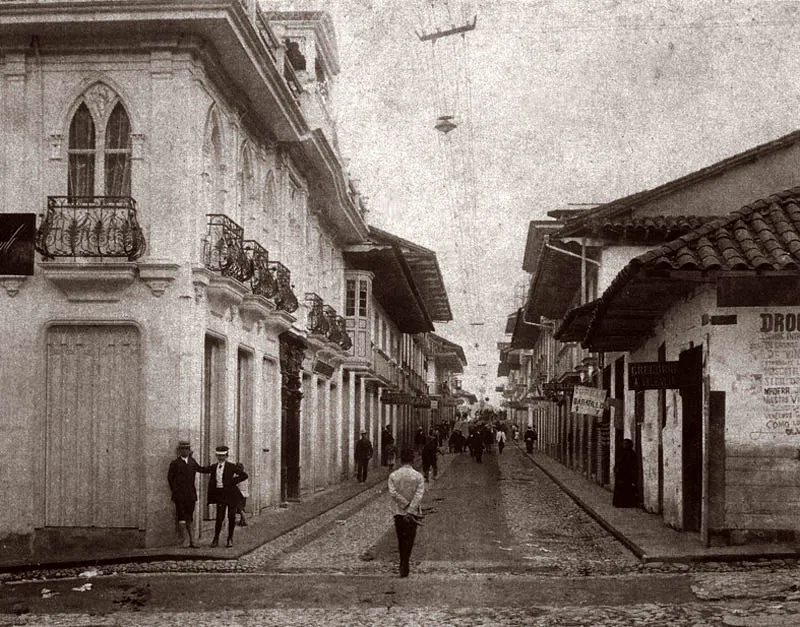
402	313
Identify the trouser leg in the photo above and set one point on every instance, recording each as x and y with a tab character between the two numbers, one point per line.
220	518
406	533
231	521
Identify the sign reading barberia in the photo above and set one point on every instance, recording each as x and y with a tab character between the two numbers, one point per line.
17	235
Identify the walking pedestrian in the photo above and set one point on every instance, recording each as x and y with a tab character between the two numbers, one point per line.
387	441
429	456
626	476
419	440
477	448
181	478
363	454
530	439
223	493
501	441
244	494
406	488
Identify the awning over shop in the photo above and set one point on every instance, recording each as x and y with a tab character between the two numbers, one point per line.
556	282
524	335
761	239
393	287
575	324
447	355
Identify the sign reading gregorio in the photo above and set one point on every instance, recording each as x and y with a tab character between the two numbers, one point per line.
654	375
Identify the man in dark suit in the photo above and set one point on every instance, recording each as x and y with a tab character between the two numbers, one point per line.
223	492
181	479
363	454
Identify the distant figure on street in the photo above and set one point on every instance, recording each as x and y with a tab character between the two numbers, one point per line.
363	454
419	440
244	494
488	438
477	447
406	488
530	438
223	492
501	441
181	478
429	456
626	476
387	441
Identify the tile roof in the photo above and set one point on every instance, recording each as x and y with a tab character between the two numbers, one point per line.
623	206
762	236
646	229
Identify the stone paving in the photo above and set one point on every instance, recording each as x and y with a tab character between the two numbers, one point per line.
550	535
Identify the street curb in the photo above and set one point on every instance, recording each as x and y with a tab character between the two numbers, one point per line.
637	550
160	554
632	546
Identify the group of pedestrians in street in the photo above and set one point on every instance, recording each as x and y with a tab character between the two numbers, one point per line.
227	489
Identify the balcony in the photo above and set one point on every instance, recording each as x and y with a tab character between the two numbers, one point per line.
285	300
223	249
90	226
89	245
317	323
262	282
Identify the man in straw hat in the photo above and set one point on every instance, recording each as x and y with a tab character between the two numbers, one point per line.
181	479
222	491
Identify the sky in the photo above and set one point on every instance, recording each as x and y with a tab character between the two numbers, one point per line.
570	102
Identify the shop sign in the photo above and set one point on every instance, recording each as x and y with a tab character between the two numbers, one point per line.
654	375
17	235
588	400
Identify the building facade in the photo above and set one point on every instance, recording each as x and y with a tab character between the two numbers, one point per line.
177	172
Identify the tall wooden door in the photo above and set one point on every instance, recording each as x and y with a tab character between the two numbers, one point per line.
93	427
691	366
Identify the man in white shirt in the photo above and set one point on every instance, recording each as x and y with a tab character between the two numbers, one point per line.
501	440
406	488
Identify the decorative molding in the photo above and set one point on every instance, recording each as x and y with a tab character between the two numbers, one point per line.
254	310
278	321
90	281
137	146
158	274
14	67
224	295
99	97
12	283
56	141
161	63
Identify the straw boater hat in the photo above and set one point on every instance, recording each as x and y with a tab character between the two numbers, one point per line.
221	450
184	444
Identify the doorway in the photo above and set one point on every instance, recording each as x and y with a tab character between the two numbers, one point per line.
691	367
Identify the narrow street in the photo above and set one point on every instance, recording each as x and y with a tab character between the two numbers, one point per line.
501	545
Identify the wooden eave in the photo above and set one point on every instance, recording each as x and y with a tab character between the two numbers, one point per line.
393	287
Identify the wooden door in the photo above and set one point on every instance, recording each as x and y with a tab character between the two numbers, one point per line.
93	427
691	366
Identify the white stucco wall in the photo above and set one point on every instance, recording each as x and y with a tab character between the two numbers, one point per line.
756	362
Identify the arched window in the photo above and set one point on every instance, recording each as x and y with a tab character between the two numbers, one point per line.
118	153
81	153
99	150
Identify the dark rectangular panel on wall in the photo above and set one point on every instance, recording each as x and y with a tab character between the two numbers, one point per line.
758	291
17	236
716	462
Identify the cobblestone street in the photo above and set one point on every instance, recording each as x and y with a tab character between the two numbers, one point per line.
501	545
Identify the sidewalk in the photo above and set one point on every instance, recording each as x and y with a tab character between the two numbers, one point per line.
646	534
263	528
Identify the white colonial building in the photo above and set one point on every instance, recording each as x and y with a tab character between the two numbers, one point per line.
177	169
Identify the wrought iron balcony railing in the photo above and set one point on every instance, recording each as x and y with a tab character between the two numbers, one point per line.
261	282
223	248
346	342
334	333
317	322
285	299
90	226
